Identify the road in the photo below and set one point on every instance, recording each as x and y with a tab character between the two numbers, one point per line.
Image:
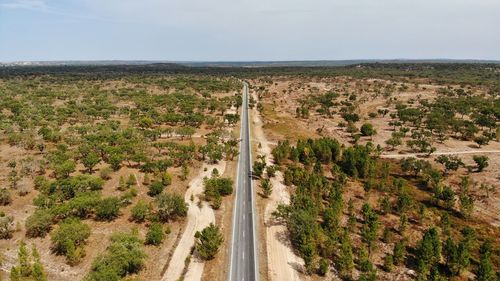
243	265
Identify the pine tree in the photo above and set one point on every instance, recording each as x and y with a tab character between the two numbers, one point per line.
345	263
485	270
399	252
428	252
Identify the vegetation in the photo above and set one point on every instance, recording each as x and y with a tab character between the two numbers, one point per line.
29	267
69	240
122	257
77	131
155	234
208	241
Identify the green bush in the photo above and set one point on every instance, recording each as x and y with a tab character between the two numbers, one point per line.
105	173
108	209
69	239
218	186
5	197
124	256
6	226
170	206
39	224
367	130
155	234
140	211
155	188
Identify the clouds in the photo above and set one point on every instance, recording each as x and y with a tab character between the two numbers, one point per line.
258	29
38	5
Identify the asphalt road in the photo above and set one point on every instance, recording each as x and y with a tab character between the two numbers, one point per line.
244	260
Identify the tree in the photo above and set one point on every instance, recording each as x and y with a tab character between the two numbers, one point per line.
388	262
345	263
267	187
170	207
64	169
399	252
481	140
417	166
448	196
69	240
466	204
368	270
481	162
428	252
367	130
450	163
217	186
208	241
395	140
370	226
91	160
485	270
258	168
30	266
155	234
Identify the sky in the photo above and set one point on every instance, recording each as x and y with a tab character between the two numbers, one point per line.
248	30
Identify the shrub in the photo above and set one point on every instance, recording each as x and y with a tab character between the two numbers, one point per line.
166	179
105	173
39	224
5	197
155	234
170	206
140	211
367	130
108	209
6	226
155	188
267	187
131	180
323	267
124	256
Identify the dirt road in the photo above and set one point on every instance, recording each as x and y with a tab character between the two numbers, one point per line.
440	153
282	261
197	219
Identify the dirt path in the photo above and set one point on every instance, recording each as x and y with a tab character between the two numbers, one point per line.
440	153
283	263
197	219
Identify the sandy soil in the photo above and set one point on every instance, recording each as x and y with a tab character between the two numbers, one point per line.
284	95
282	262
197	219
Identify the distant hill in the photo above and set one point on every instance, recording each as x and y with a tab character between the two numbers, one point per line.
305	63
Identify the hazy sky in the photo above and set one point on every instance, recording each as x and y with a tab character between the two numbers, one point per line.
211	30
